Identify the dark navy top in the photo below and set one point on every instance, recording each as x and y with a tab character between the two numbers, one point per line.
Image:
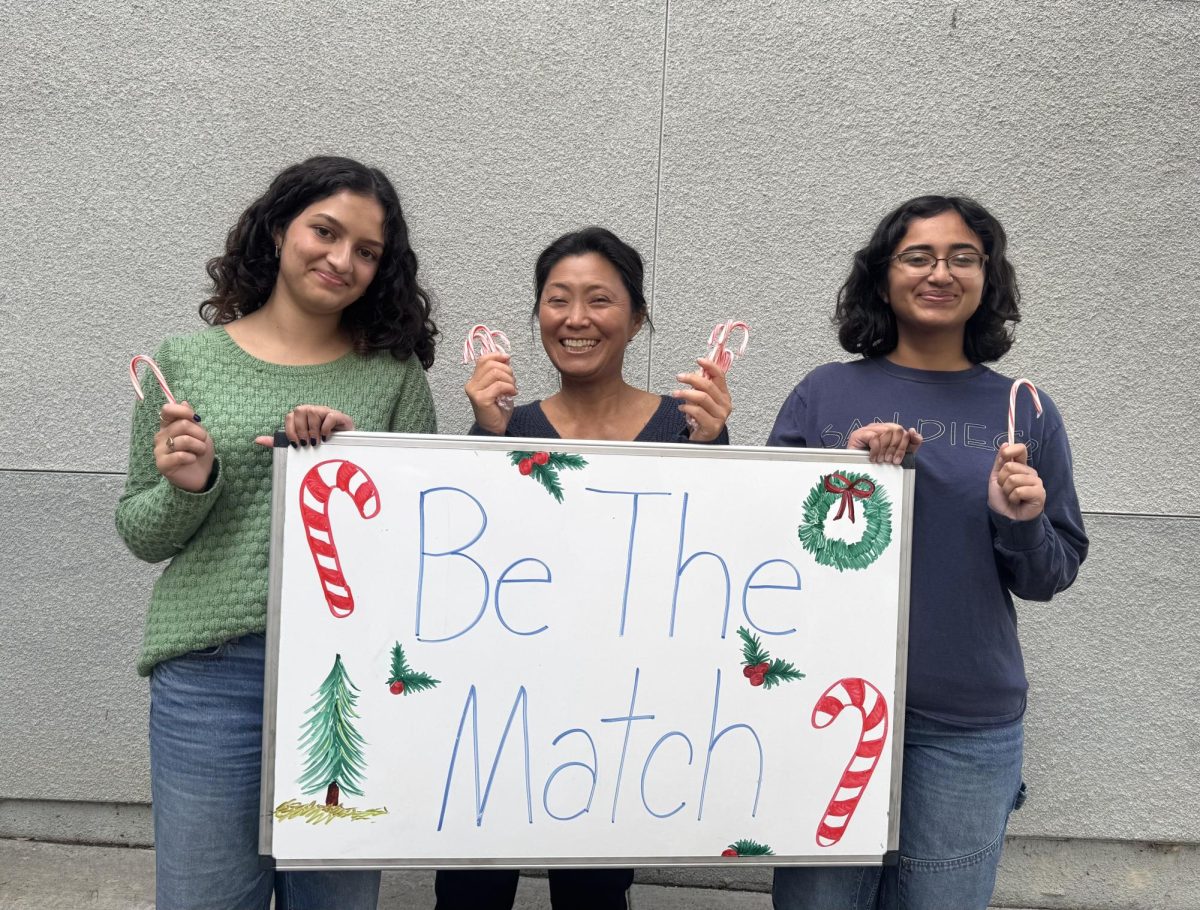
667	424
964	660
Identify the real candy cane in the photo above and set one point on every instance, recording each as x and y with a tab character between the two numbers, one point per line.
162	381
1012	405
315	490
482	340
860	694
721	355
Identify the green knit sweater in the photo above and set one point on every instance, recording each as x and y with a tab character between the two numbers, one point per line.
215	587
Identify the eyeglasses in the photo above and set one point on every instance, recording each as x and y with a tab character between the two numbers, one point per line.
918	262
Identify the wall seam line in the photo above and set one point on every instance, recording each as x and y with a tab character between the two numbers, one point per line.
1099	513
662	111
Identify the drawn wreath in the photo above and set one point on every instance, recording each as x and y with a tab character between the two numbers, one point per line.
843	488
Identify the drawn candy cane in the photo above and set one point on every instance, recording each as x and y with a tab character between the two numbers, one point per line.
720	354
137	386
860	694
318	484
488	341
1012	405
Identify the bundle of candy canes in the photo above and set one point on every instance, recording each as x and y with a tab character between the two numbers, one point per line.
721	352
482	340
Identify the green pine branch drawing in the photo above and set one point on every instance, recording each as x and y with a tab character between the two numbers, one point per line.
544	467
405	679
758	666
746	847
335	758
752	649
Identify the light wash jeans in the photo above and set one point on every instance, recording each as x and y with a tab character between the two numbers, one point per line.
960	785
205	753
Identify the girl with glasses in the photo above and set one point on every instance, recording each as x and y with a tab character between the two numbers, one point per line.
930	299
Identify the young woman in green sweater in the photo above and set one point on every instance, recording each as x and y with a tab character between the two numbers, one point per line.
316	320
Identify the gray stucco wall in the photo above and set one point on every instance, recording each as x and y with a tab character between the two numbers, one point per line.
746	149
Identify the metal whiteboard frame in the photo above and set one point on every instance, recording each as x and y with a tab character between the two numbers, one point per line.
581	446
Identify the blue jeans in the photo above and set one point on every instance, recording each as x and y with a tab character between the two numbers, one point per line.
960	785
205	754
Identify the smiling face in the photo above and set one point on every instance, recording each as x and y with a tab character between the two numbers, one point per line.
586	318
330	252
938	301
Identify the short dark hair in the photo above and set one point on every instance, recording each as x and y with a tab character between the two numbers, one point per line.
624	258
393	314
866	323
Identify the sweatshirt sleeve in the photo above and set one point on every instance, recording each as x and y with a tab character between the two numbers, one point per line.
155	518
1040	557
789	425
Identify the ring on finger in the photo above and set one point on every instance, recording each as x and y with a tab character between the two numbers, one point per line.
170	443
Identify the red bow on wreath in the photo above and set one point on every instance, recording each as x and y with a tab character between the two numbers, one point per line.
850	490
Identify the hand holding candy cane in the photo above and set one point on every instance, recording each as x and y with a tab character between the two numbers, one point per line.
1014	489
707	404
492	386
183	451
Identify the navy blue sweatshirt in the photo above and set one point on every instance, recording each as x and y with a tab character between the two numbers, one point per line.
964	659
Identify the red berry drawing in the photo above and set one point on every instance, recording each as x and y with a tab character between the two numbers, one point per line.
747	847
396	688
544	467
759	668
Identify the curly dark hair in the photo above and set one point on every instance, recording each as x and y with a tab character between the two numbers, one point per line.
393	314
867	325
624	258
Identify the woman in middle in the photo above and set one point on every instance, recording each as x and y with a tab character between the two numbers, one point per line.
589	305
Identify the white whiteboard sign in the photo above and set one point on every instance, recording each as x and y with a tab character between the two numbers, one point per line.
515	652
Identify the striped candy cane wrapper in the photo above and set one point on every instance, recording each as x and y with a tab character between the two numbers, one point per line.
721	352
1012	405
851	692
315	490
482	340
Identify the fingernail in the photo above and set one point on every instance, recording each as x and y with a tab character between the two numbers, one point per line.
304	443
293	445
196	417
325	438
312	441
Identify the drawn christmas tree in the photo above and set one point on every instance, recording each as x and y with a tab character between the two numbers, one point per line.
334	747
759	668
544	467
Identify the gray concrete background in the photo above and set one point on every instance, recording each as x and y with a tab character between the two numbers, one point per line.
746	149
